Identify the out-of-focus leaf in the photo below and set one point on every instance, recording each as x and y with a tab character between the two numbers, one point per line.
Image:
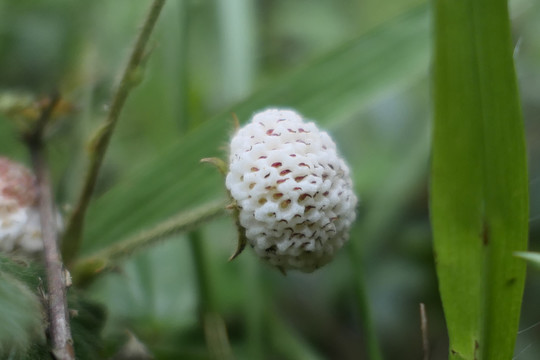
288	344
23	318
156	284
332	90
21	314
479	185
87	322
133	349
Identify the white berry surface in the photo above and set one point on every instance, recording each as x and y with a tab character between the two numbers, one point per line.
293	190
20	228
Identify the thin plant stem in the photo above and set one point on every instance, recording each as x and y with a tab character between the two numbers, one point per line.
130	78
205	293
254	307
216	336
88	268
213	324
372	341
215	330
59	327
363	307
425	331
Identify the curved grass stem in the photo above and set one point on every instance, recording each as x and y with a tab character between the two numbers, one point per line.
89	268
130	78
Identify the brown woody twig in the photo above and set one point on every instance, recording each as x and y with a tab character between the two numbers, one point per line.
59	328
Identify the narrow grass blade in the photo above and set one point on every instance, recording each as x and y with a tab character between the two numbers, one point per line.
332	90
479	186
532	257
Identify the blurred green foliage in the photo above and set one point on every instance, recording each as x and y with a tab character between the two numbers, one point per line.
358	67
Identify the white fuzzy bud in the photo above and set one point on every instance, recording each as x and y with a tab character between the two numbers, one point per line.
20	228
293	190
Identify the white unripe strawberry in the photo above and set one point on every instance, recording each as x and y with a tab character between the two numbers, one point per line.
20	228
293	191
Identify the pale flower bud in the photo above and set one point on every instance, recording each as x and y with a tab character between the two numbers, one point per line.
20	228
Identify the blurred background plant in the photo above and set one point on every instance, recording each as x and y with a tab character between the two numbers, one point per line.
360	68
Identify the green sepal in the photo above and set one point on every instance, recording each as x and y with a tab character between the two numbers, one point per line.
218	163
242	239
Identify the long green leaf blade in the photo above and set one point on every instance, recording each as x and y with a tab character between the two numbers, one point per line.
479	187
506	180
333	89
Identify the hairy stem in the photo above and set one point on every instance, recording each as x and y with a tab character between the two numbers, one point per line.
130	78
87	269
